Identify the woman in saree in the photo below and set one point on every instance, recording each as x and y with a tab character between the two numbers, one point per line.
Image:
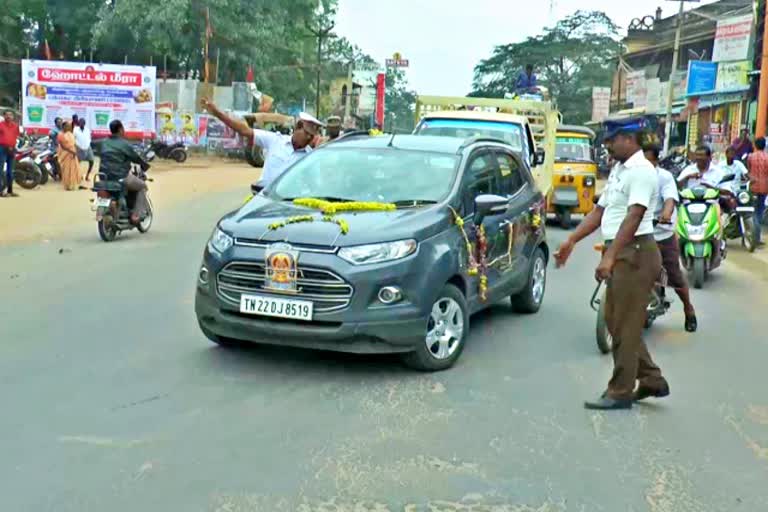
67	155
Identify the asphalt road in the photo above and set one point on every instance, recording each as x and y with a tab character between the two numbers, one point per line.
112	399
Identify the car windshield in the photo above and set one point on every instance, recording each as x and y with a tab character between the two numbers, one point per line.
383	175
511	133
573	149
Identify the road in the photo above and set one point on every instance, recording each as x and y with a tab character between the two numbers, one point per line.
112	399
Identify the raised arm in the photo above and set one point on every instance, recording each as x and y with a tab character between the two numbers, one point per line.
236	124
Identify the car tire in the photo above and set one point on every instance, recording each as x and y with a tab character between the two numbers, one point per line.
529	300
450	307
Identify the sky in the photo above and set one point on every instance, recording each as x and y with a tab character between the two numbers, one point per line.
445	39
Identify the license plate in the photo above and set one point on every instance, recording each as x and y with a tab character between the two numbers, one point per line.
745	209
276	307
103	202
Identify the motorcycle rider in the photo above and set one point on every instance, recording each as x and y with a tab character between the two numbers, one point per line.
117	155
666	238
702	172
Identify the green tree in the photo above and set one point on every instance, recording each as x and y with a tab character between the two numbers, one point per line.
570	58
400	102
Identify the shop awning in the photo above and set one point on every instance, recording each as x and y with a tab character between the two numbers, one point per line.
713	100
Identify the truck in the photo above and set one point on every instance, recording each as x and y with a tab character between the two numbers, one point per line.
531	126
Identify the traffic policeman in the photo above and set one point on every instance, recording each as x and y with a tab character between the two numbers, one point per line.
630	265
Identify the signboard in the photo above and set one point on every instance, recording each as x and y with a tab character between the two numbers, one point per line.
397	61
732	76
636	88
601	103
679	81
99	93
702	77
655	101
732	39
380	93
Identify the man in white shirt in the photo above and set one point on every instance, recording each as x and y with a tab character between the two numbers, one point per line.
666	238
83	143
703	172
735	167
630	265
281	151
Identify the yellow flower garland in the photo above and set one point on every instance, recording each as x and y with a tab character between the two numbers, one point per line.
331	208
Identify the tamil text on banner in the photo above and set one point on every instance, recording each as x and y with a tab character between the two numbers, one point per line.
732	39
601	103
733	76
636	88
702	77
99	93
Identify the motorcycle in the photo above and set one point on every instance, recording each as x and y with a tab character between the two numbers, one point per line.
176	151
26	172
675	162
113	204
740	221
699	229
658	305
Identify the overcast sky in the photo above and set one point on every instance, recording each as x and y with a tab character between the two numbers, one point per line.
444	46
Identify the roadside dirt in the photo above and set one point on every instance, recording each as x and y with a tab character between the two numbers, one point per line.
49	211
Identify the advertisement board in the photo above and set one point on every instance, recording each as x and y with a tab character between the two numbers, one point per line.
97	92
702	77
732	76
636	88
601	103
732	39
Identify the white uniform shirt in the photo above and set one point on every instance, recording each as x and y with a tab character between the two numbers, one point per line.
279	154
632	183
83	138
712	176
667	190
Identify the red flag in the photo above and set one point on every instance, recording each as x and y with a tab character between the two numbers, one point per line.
249	75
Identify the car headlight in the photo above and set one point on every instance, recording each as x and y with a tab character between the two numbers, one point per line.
378	253
220	241
744	197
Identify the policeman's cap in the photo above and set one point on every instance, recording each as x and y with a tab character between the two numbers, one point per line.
623	126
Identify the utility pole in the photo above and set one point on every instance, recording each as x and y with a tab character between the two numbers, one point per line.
762	96
671	91
350	85
320	33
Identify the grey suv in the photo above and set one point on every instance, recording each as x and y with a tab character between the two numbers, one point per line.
370	245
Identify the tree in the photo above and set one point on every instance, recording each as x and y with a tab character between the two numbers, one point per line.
570	58
400	102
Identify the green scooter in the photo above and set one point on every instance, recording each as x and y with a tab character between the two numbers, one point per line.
699	228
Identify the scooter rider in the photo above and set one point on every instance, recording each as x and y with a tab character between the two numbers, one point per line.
666	238
117	155
630	265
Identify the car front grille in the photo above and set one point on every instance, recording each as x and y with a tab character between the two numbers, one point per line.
326	290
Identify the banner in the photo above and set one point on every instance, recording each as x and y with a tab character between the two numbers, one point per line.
186	127
99	93
732	39
702	77
636	88
732	76
601	103
654	93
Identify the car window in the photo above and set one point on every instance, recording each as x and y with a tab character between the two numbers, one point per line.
510	174
511	133
481	177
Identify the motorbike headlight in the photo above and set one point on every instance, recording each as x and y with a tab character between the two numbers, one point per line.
744	197
378	253
696	233
220	241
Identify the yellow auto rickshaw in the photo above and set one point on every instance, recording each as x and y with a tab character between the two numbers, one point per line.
574	178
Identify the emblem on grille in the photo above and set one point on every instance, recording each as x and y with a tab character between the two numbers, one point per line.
281	270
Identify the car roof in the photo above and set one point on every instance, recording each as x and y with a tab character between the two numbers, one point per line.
477	115
431	143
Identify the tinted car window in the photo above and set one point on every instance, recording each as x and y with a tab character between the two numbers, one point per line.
510	174
511	133
482	177
384	174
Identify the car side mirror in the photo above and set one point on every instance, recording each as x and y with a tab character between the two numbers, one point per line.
486	204
256	188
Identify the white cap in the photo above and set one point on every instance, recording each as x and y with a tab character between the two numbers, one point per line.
303	116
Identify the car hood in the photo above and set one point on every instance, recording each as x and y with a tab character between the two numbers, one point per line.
252	222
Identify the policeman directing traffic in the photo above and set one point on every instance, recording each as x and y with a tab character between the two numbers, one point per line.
630	265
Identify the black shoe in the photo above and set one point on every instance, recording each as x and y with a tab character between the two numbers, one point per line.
605	404
691	324
644	392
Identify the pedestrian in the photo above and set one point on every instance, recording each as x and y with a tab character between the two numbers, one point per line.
54	133
67	157
665	215
734	166
282	150
83	143
742	145
9	134
526	81
757	163
630	265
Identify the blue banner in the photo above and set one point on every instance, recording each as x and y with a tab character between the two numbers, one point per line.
702	77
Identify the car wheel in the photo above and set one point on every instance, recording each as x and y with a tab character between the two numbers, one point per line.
445	333
529	300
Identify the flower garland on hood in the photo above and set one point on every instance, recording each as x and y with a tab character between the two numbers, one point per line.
329	210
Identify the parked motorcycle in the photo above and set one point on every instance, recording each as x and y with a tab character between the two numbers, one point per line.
177	151
658	305
26	173
699	229
675	162
739	223
113	204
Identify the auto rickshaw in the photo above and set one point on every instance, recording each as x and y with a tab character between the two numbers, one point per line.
574	178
